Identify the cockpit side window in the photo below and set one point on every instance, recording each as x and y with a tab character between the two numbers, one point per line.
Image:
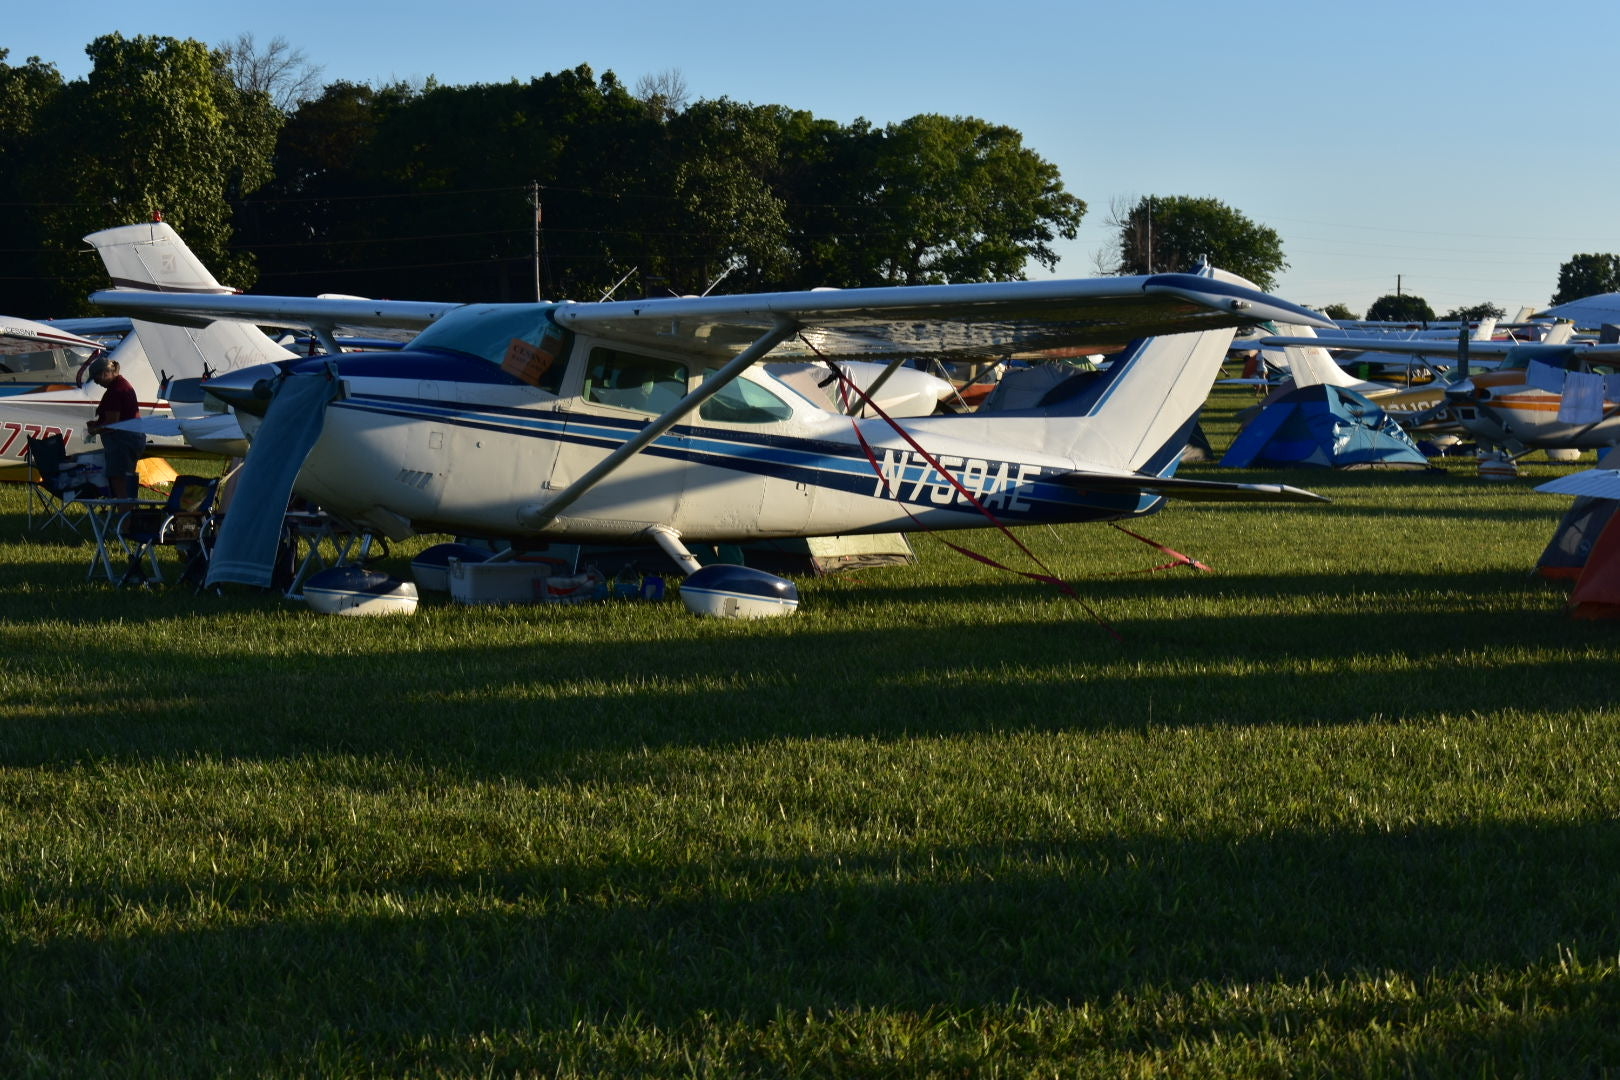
632	381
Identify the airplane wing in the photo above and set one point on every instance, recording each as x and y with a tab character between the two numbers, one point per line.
1593	483
951	322
1433	346
947	322
1181	488
26	336
321	314
1588	311
95	325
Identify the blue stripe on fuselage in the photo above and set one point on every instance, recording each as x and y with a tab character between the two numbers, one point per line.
817	462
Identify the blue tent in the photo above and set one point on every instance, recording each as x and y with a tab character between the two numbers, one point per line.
1326	426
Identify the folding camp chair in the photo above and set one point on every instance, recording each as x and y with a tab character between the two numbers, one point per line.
56	482
184	522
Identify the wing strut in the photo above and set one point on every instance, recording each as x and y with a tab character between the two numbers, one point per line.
536	517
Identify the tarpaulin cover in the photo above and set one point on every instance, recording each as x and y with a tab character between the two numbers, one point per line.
245	552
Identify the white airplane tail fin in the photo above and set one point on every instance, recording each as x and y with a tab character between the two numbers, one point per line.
152	257
1559	333
1486	327
1138	413
1311	365
1141	411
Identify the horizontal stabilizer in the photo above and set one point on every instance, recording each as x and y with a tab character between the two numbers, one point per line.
166	426
1179	488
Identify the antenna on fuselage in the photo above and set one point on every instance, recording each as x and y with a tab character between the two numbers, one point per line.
608	295
719	279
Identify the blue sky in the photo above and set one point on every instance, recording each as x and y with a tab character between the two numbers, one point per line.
1468	148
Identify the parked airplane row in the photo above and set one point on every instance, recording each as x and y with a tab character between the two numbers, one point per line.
701	419
1550	394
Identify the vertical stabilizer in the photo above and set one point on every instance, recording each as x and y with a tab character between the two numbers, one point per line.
1559	333
152	257
1143	408
1311	365
1136	415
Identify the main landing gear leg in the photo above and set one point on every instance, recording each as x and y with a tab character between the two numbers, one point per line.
670	540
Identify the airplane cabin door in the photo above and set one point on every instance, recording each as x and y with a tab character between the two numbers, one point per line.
621	393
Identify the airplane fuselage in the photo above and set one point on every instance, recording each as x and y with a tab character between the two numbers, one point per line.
760	462
1505	410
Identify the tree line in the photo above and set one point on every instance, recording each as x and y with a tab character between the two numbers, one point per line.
435	191
567	185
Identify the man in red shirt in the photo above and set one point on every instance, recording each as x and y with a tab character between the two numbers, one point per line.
122	448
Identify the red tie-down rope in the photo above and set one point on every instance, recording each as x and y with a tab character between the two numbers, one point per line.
1177	558
1046	576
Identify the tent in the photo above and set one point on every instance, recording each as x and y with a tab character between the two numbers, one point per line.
1326	426
1597	590
1571	545
1586	544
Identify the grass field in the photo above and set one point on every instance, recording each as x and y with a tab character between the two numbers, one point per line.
1345	806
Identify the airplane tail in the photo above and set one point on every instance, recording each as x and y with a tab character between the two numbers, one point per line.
1138	413
1559	333
1143	409
1311	365
152	257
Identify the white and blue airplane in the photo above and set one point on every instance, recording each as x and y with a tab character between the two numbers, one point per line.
655	421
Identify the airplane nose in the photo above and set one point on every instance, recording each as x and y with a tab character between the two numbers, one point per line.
246	389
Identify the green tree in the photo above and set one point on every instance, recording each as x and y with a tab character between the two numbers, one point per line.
425	192
1482	310
157	127
1163	234
1339	311
1402	308
26	92
960	199
1587	275
731	220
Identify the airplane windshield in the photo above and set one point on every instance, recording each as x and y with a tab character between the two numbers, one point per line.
519	338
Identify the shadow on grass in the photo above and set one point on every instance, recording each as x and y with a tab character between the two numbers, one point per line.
742	940
454	698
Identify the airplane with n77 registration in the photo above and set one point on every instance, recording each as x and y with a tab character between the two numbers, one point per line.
164	363
655	421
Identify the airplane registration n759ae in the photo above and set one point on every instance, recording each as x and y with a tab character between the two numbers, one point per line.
658	421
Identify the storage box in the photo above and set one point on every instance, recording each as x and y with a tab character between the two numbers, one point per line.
431	568
511	582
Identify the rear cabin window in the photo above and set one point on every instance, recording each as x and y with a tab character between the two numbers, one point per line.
744	402
631	381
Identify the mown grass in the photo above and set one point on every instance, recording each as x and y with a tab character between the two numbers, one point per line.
1346	805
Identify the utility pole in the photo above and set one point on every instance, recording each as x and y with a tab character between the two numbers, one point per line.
1150	234
534	201
1397	285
